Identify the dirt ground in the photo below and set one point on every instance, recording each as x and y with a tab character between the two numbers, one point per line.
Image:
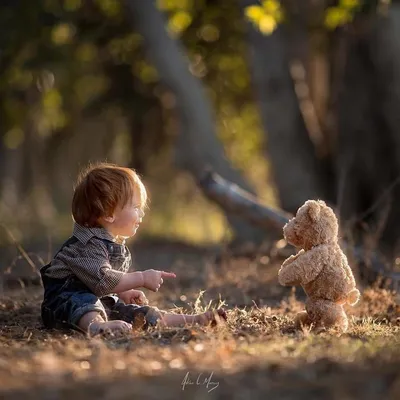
257	354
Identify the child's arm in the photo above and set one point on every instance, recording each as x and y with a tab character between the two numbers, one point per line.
150	279
92	267
130	280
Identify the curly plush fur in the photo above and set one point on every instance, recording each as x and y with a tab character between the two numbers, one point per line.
320	267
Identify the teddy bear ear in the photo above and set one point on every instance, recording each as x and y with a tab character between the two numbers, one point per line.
314	209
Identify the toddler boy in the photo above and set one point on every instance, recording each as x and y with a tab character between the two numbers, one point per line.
87	285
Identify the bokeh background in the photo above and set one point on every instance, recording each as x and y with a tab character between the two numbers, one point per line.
290	100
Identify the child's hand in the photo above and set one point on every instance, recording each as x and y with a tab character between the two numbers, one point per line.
134	297
153	279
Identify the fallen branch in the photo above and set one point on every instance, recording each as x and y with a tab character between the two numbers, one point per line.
234	199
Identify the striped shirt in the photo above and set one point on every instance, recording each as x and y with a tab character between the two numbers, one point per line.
95	258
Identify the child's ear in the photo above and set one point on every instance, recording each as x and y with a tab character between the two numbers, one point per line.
110	219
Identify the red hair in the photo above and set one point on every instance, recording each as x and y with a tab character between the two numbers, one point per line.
103	187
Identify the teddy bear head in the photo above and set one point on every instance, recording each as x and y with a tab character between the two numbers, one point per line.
315	223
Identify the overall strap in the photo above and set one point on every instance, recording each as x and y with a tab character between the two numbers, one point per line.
68	242
112	247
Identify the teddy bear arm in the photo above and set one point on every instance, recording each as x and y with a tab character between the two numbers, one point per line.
292	258
317	258
303	269
347	271
290	274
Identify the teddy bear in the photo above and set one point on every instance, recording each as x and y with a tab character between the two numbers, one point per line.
320	267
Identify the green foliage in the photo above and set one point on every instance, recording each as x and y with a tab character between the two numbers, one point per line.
269	13
62	33
110	8
341	14
72	5
266	16
180	14
67	62
345	11
13	138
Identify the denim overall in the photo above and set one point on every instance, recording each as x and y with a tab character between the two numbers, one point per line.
67	300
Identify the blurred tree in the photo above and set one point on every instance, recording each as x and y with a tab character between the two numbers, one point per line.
76	84
301	177
347	150
368	136
198	147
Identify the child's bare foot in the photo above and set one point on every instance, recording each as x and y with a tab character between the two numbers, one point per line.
115	327
213	317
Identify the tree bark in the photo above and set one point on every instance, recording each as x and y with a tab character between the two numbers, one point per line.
384	49
37	182
197	145
299	175
368	141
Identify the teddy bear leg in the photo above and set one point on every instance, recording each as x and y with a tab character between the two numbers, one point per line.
302	319
336	318
326	314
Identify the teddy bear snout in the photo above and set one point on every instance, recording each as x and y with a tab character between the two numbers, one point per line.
286	229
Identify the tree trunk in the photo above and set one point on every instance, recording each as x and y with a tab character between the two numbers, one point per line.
198	146
37	182
385	55
3	149
299	175
12	173
368	143
357	127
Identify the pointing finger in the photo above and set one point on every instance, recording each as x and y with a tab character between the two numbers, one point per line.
165	274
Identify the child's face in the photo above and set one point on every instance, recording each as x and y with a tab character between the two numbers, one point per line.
125	221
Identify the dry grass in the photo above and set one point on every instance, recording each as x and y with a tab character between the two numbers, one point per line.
258	354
